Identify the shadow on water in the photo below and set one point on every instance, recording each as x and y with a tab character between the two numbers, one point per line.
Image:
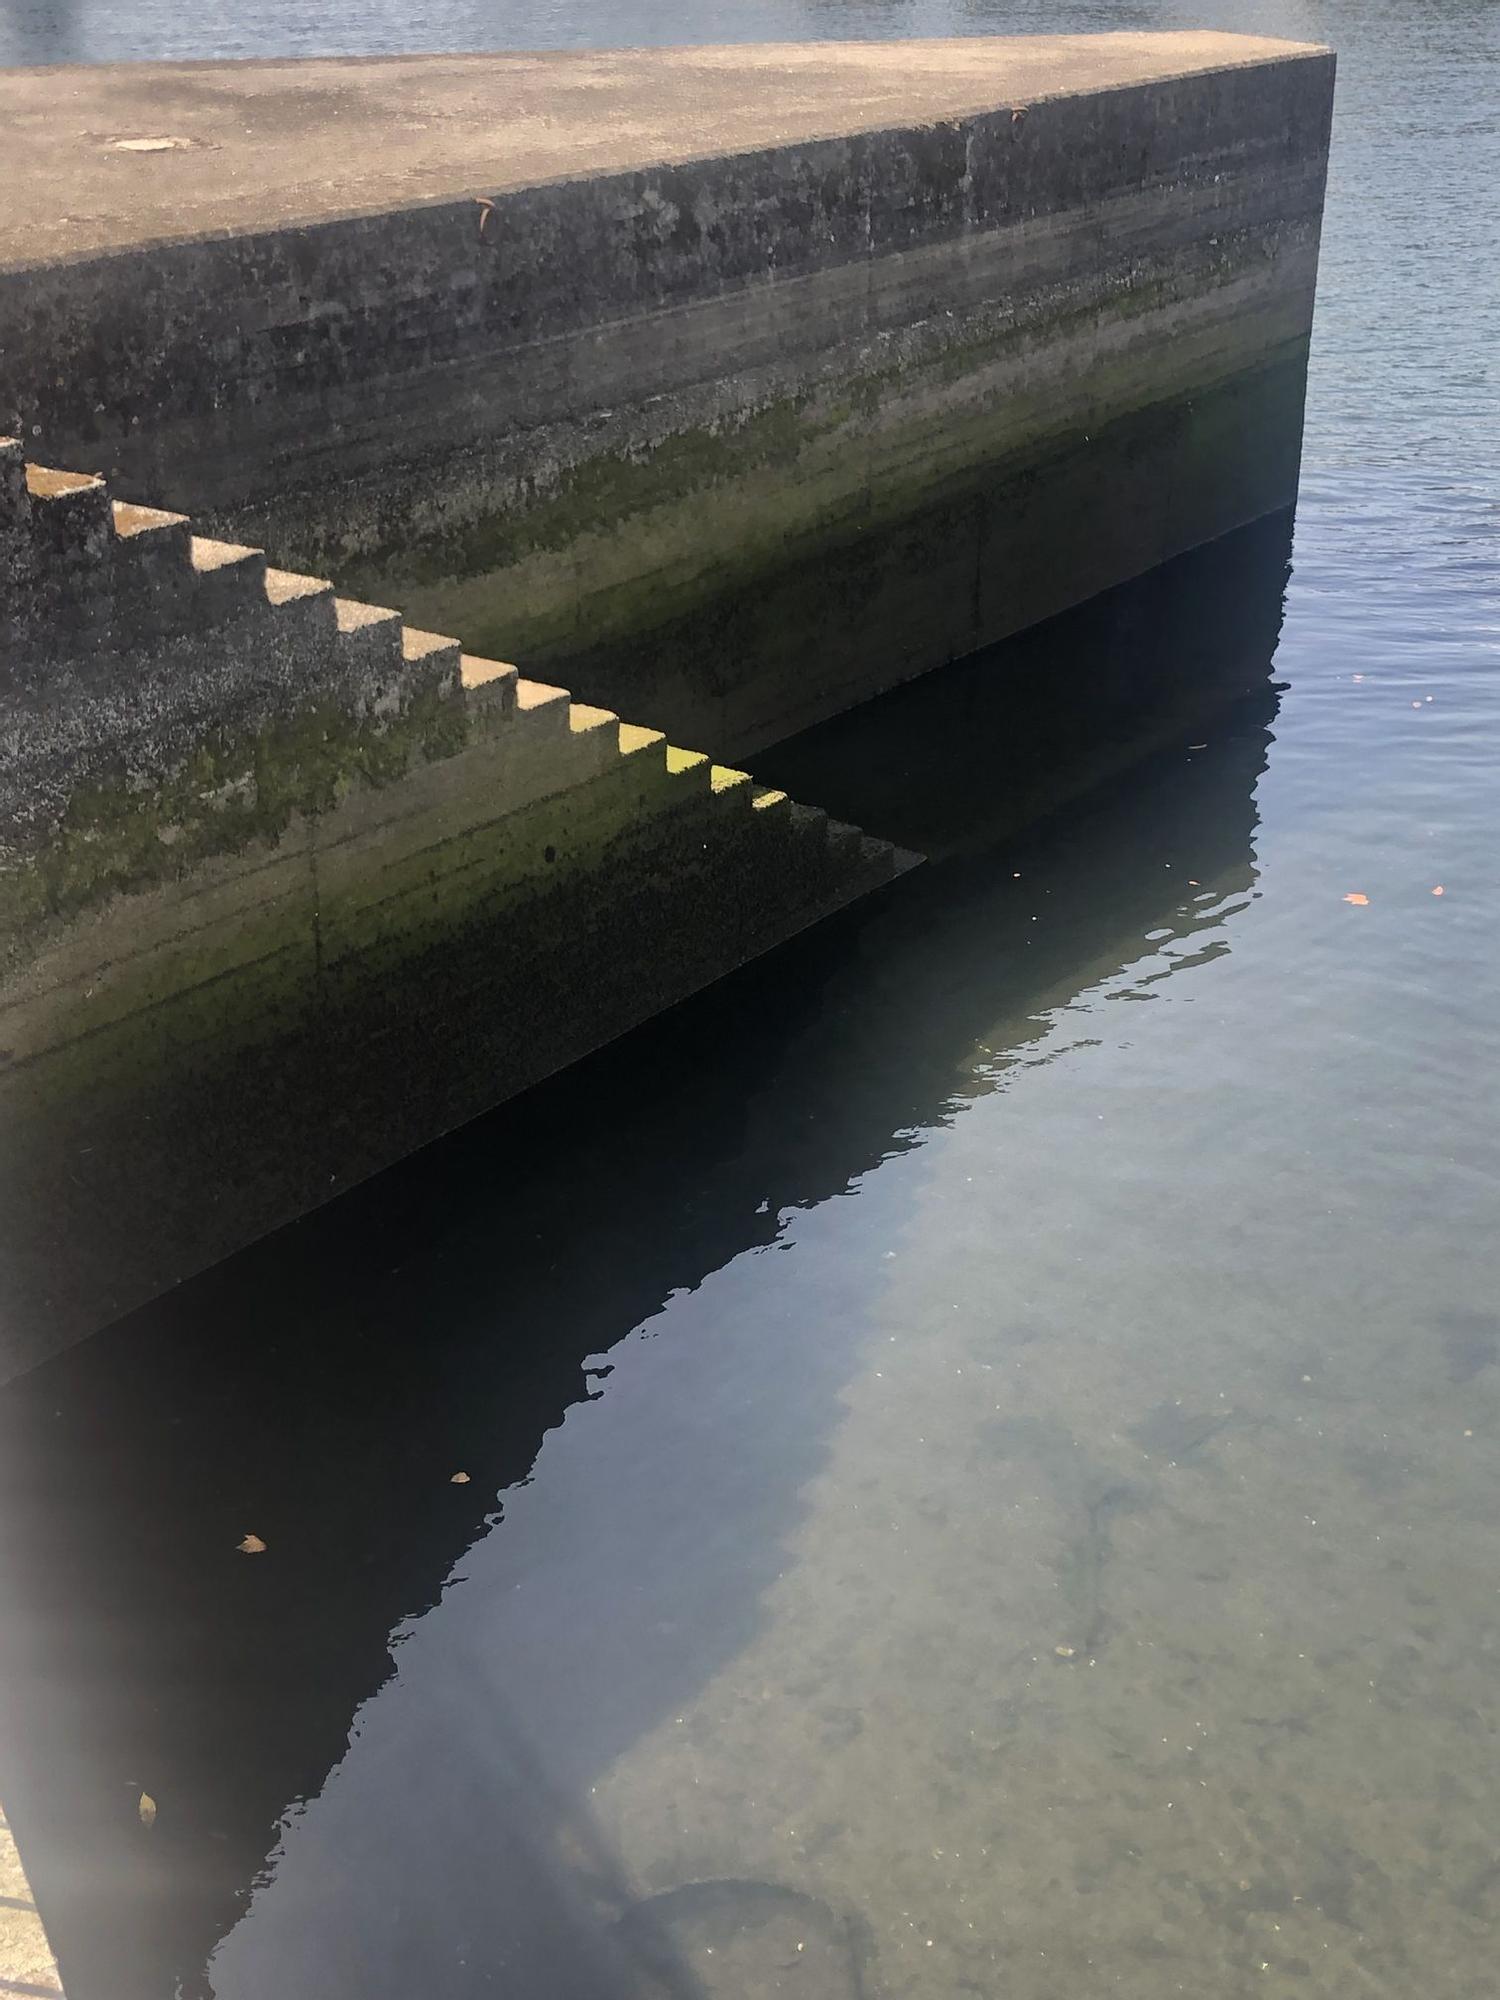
320	1390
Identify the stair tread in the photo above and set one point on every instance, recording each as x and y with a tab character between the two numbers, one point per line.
45	482
582	716
210	555
476	673
538	694
285	586
354	616
131	520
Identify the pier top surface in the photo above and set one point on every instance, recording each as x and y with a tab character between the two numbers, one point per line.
116	155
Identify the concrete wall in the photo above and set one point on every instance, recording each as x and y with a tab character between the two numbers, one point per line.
287	889
729	442
943	338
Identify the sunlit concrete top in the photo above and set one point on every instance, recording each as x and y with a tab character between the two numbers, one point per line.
107	157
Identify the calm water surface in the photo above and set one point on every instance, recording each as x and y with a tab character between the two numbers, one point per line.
983	1435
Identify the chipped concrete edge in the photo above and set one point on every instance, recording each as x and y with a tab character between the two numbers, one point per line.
26	1962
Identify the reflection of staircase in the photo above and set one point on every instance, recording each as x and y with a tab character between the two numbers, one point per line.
240	814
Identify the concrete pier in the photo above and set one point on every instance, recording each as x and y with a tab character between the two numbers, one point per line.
726	385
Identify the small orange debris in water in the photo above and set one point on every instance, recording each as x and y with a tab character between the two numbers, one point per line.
1438	890
1355	897
252	1545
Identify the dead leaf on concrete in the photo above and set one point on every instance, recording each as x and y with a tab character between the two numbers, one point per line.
252	1545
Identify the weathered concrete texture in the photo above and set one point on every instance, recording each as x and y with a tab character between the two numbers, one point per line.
632	365
288	889
26	1962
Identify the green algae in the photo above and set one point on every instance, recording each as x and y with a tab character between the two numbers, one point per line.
606	494
710	552
121	834
594	496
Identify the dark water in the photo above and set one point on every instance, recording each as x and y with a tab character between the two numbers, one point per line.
983	1433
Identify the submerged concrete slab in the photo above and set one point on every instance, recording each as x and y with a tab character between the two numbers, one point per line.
727	386
116	155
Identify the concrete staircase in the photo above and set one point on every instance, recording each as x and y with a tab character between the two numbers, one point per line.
100	595
274	863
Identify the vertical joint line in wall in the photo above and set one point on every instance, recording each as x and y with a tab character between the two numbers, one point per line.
317	910
976	608
871	318
866	438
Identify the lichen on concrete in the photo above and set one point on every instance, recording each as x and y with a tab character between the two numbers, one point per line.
232	790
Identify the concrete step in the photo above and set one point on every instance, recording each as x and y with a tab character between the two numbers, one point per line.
229	579
880	858
153	575
777	864
544	752
733	789
369	637
489	686
541	711
561	742
595	735
829	860
690	772
774	804
307	601
153	550
72	521
666	777
843	839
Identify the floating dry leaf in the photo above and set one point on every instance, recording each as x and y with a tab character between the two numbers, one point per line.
1355	897
459	1479
147	1809
252	1545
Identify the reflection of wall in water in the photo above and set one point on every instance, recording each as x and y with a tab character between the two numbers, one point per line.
319	1390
